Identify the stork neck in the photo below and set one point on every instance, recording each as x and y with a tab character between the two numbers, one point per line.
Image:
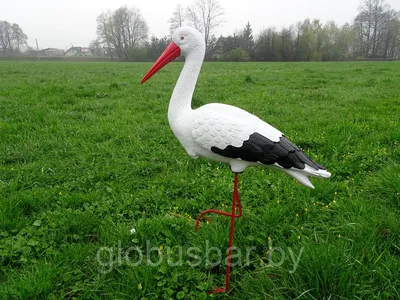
181	98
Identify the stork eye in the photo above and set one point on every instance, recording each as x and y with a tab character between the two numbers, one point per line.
182	37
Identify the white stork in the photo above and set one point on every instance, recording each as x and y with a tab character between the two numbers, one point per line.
226	133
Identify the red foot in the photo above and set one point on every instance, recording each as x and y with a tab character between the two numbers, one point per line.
217	291
237	206
208	211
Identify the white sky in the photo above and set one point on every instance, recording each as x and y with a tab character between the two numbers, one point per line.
61	24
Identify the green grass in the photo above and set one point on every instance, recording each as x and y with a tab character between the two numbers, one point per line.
86	154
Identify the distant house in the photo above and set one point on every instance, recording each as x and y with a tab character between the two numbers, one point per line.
52	52
78	51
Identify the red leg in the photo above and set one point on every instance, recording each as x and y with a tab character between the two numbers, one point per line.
223	213
235	206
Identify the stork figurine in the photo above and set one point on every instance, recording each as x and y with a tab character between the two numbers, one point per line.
226	133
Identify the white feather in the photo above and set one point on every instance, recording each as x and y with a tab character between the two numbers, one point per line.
229	126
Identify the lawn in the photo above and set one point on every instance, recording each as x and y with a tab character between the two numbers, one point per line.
98	199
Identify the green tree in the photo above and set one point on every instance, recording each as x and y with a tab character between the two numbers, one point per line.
247	40
309	40
268	46
287	44
237	54
156	46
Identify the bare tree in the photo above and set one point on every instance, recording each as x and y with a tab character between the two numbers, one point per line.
122	31
205	15
370	24
389	34
178	18
193	19
11	36
96	47
5	35
18	36
105	33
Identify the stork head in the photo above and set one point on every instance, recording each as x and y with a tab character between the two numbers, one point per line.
186	41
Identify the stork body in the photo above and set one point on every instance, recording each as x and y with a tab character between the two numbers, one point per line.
231	135
226	133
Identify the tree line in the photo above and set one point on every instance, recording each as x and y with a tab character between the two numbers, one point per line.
123	35
373	34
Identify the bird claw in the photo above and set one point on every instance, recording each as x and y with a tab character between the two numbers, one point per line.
199	218
207	219
208	211
217	291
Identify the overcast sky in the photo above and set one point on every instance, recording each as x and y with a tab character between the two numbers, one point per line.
61	24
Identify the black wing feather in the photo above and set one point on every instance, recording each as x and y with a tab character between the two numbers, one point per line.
258	148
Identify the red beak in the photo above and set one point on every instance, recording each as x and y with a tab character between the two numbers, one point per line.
169	54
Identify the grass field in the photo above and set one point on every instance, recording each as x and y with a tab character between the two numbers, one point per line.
86	155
